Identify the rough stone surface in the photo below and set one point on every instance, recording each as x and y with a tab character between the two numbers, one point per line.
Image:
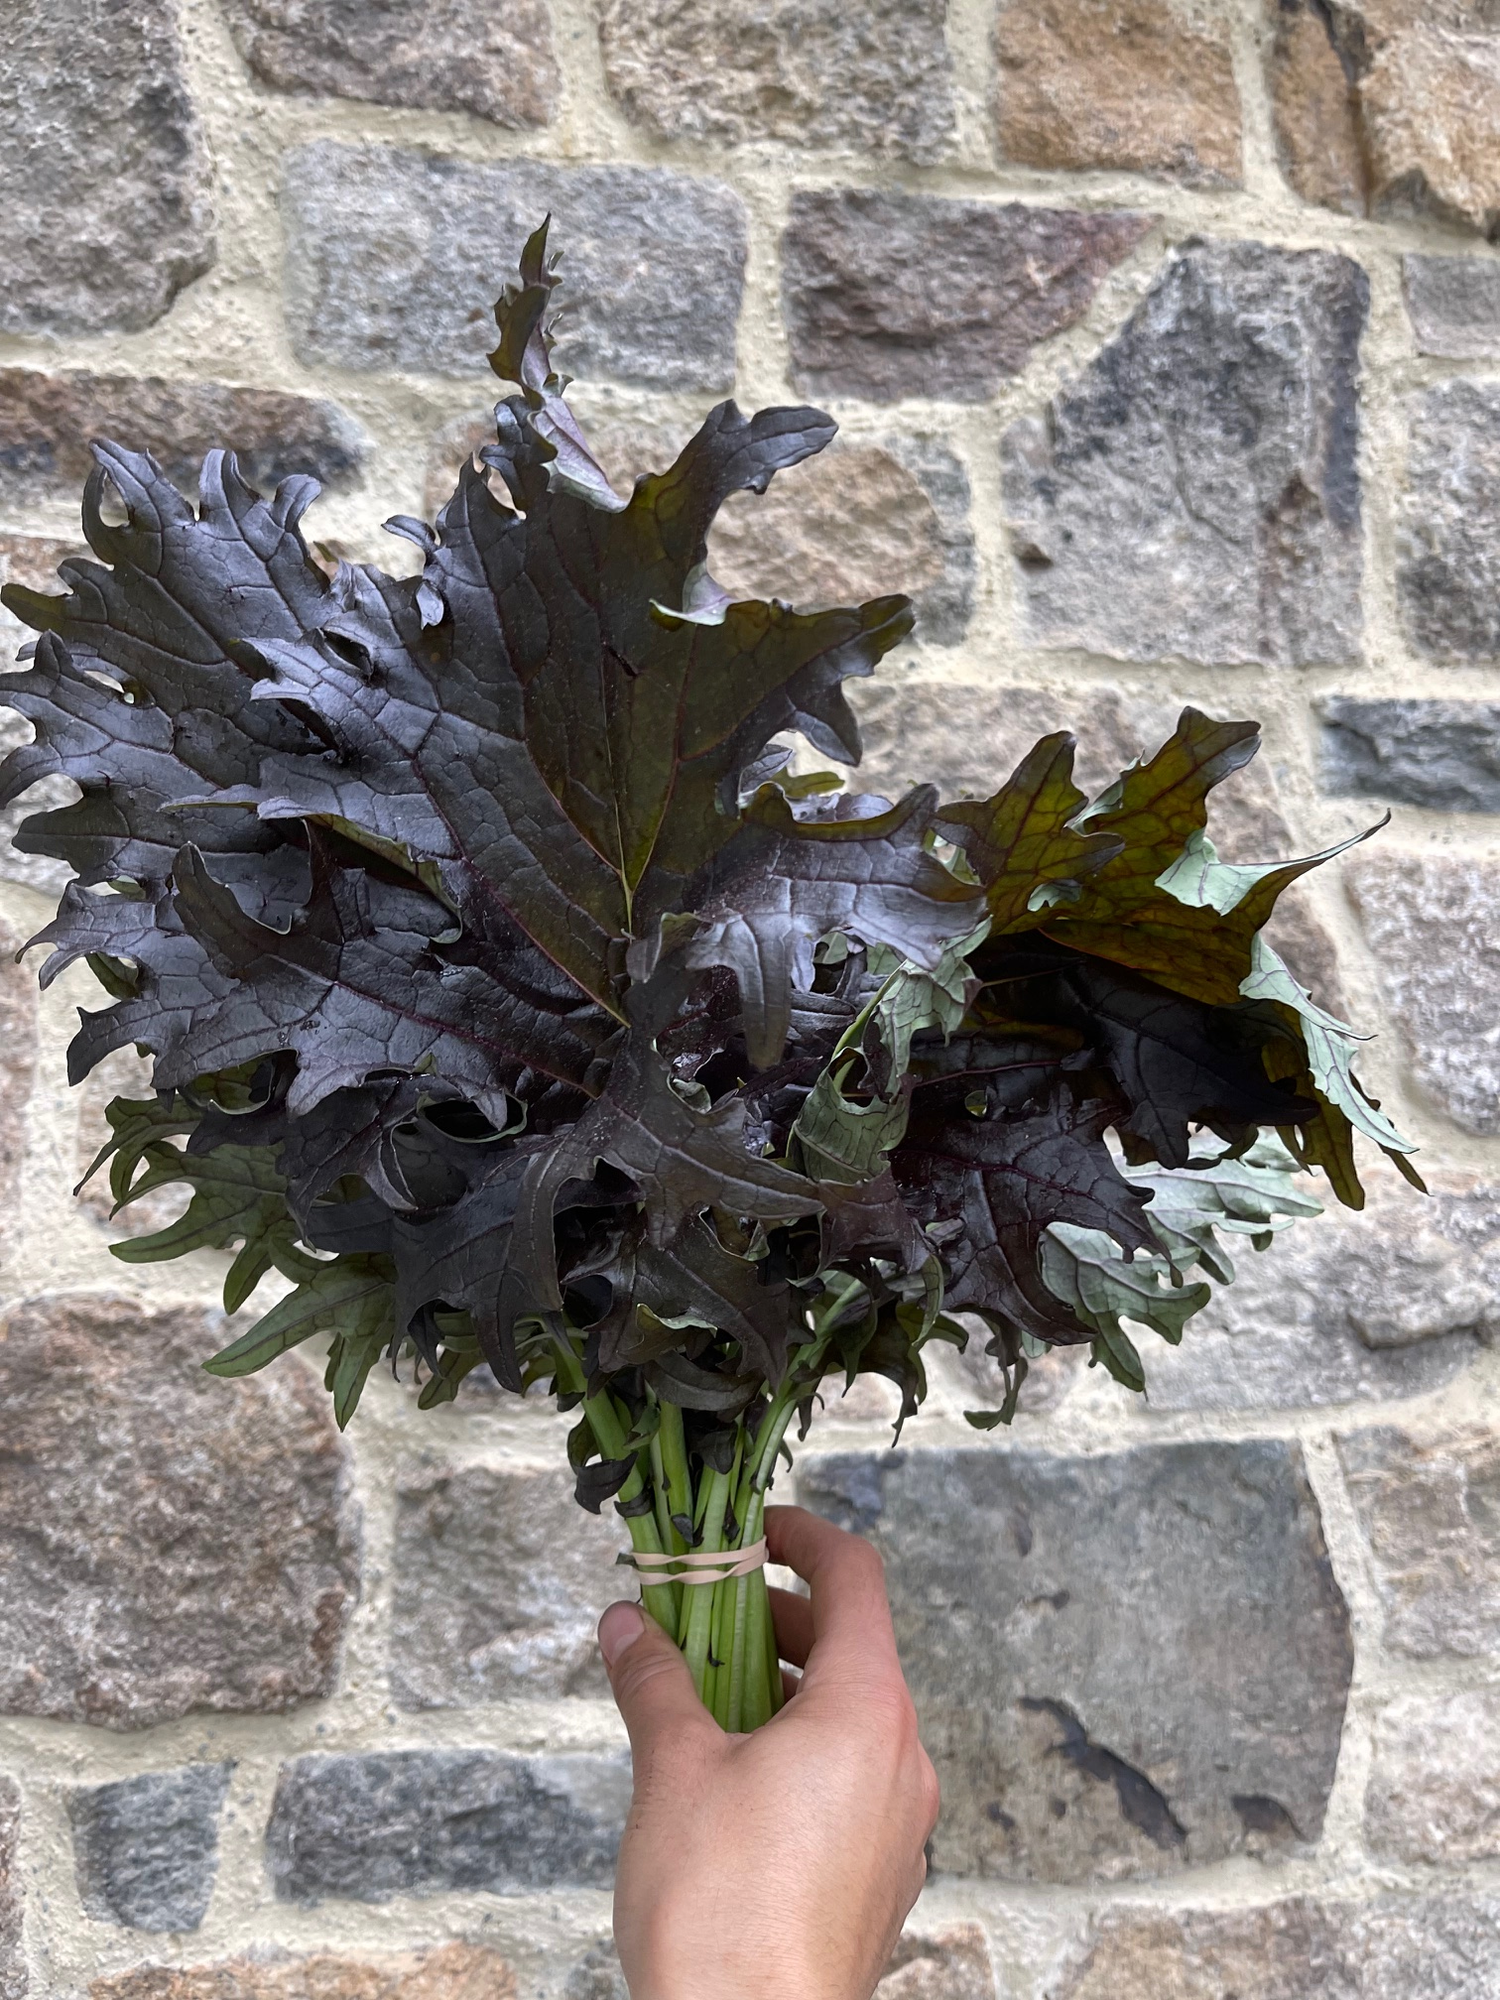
889	295
394	258
967	737
1433	922
32	560
146	1850
1117	83
499	1579
107	213
1448	526
1124	1665
1315	110
439	55
1346	1307
1396	1948
168	1541
448	1972
1430	106
1196	494
1442	754
833	530
597	1975
875	79
949	1965
48	421
421	1821
1434	1788
1414	129
1430	1512
1454	305
13	1977
18	1057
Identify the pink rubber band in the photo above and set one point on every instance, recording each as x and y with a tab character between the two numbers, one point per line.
699	1565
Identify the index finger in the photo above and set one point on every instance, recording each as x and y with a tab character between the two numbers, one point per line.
851	1617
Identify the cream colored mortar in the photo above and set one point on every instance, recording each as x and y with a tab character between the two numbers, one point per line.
229	326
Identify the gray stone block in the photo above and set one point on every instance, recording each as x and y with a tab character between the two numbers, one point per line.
1344	1307
889	294
1442	754
395	258
876	78
168	1541
1454	305
436	55
499	1579
1124	1665
1448	526
1433	922
1195	494
107	211
1430	1511
1434	1787
13	1975
407	1822
146	1850
47	423
1398	1947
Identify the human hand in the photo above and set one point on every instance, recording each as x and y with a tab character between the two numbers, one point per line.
779	1865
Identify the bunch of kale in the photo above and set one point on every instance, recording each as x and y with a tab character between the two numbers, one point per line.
511	999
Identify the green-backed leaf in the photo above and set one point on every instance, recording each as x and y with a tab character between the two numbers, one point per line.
1330	1046
350	1297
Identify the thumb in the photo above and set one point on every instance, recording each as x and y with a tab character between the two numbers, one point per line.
653	1688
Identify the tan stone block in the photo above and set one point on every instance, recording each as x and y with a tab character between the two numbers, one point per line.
950	1965
1316	111
1431	106
1434	1786
449	1972
1431	1517
1138	84
1396	1948
168	1540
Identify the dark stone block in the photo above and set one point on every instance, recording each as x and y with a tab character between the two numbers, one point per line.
422	1821
1443	754
47	423
1195	495
889	295
1124	1665
146	1850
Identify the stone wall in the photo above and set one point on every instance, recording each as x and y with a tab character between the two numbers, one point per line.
1165	341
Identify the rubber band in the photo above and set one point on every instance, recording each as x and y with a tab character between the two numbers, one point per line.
698	1565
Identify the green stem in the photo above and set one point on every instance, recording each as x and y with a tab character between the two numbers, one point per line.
698	1604
611	1434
